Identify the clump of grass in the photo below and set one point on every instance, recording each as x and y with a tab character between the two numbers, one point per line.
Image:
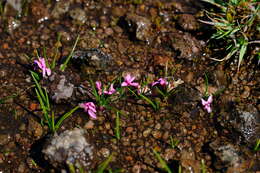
48	114
237	25
174	142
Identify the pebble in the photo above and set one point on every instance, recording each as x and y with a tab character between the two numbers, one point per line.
4	139
157	134
129	130
246	92
147	132
89	125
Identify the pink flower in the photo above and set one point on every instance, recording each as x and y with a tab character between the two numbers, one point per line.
129	81
161	81
111	90
90	108
206	104
42	65
98	85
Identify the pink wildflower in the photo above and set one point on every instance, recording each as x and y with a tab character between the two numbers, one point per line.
161	81
42	65
89	107
111	90
207	104
129	81
98	85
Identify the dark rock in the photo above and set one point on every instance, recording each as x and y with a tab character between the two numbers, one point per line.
188	22
78	15
188	96
92	58
70	147
62	86
61	7
141	26
243	124
231	157
184	43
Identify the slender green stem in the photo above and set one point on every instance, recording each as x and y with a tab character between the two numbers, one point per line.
58	44
206	85
65	116
162	162
104	164
64	65
117	129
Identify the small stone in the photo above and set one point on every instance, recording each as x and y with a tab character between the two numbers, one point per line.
4	139
129	130
246	92
104	152
158	126
189	77
34	128
157	134
89	125
78	14
22	127
147	132
188	22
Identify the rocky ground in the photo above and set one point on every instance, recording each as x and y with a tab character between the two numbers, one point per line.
147	39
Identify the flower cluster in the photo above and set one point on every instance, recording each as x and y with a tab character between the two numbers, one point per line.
110	91
207	104
42	65
90	107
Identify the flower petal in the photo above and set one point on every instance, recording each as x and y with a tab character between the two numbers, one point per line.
48	70
92	114
134	84
203	102
210	99
124	84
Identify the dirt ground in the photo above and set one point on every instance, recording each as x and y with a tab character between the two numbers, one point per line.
148	39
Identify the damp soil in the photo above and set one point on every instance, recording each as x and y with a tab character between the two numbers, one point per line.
144	38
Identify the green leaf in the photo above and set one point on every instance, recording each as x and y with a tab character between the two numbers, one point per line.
242	52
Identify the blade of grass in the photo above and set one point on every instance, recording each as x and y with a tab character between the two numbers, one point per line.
242	52
203	166
154	105
64	65
53	122
162	162
104	164
206	85
65	116
57	46
117	128
44	110
256	148
38	86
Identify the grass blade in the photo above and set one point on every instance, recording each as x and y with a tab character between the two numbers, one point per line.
117	128
104	164
154	105
242	52
65	116
162	162
64	65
